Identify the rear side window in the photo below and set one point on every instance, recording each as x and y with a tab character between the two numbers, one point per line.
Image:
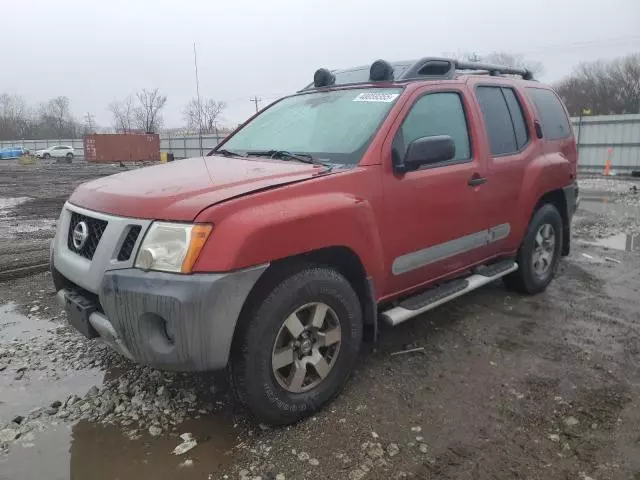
517	117
497	120
553	119
435	114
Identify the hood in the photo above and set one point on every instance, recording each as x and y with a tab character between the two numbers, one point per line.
180	190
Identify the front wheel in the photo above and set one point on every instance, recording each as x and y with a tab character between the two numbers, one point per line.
69	157
539	254
46	156
297	346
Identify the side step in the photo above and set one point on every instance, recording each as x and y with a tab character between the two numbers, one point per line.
425	301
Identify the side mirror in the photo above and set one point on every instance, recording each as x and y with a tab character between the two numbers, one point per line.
427	150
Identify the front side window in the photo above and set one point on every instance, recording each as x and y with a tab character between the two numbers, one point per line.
333	126
435	114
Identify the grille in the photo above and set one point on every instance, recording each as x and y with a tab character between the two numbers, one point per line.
129	242
95	229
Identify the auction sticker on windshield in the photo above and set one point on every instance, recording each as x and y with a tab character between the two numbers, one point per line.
376	97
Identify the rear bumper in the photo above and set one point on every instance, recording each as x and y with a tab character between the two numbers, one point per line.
572	197
171	321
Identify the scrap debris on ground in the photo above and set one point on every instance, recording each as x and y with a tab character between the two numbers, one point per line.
502	385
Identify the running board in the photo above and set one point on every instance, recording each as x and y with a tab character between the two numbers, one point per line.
425	301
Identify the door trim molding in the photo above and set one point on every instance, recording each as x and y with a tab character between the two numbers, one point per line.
441	251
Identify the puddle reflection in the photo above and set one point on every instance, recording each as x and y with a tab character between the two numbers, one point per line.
605	205
622	241
94	452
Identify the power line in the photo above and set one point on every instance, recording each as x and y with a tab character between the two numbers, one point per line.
583	44
195	63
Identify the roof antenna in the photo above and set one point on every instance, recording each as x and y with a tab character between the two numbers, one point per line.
195	62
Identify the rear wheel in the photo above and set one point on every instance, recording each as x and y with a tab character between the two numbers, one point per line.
539	253
297	345
69	157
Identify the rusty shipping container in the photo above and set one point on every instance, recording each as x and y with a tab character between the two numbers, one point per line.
121	147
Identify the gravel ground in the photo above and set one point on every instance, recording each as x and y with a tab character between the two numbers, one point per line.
505	386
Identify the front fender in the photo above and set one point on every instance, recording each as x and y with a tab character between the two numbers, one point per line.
283	228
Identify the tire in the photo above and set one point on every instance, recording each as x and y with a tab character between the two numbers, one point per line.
258	384
46	156
69	157
528	278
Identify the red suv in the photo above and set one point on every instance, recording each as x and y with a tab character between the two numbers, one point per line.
374	194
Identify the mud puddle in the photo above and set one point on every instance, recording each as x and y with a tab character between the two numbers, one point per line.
96	452
15	326
622	241
604	204
25	385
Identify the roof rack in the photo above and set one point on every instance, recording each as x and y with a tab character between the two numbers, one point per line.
428	68
447	67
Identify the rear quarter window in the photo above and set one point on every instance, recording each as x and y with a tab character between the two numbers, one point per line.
553	119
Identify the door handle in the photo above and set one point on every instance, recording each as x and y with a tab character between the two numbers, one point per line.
476	180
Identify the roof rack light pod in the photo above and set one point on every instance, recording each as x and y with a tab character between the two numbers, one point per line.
323	78
381	71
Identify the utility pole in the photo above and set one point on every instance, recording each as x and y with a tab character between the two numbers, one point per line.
255	100
88	118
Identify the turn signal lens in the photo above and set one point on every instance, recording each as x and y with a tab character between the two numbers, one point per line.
199	236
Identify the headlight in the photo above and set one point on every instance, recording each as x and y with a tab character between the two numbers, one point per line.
172	247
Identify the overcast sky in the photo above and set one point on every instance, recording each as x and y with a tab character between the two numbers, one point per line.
97	51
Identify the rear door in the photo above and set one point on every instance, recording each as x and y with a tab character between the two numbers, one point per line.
508	139
433	223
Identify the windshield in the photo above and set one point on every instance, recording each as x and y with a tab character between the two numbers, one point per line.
332	126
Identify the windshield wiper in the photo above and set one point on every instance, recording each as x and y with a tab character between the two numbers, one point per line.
285	155
226	153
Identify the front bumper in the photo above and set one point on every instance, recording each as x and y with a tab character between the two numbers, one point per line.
170	321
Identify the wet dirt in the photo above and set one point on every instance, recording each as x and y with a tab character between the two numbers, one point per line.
506	386
31	197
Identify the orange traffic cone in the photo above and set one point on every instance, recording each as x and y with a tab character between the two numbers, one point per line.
607	165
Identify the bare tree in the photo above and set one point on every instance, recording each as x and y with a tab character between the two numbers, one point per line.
123	114
55	119
52	119
603	88
15	117
503	58
56	115
147	112
205	117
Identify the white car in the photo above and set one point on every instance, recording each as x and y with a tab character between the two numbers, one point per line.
57	151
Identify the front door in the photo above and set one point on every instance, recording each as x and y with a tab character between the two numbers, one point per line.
433	222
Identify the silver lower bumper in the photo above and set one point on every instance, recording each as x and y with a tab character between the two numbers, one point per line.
103	326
